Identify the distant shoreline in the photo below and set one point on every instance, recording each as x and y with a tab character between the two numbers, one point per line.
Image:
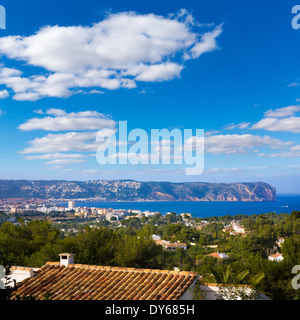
283	204
159	201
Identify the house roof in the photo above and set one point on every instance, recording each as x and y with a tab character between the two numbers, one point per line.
90	282
174	245
16	268
215	255
161	242
276	255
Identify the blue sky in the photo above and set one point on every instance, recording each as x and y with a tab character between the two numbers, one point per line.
69	69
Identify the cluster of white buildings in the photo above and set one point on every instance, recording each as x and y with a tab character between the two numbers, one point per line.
110	214
47	209
32	207
92	212
234	228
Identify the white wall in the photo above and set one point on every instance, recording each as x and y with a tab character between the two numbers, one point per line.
18	274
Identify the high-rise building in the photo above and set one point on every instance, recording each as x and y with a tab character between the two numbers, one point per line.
71	205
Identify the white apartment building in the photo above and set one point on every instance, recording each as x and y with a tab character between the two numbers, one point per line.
71	205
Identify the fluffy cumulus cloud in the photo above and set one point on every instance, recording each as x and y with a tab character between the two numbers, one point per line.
281	120
241	143
116	52
59	120
66	148
235	143
282	112
63	142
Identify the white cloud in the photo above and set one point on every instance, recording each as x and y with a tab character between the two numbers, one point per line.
294	84
39	111
60	162
236	144
4	94
56	112
242	125
50	156
62	121
211	132
291	124
286	154
240	143
281	119
57	143
207	43
95	92
117	52
282	112
224	171
295	148
146	90
293	152
156	72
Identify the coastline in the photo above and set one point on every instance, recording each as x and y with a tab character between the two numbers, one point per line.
283	204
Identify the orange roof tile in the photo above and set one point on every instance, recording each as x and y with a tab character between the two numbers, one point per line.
89	282
275	255
215	255
175	245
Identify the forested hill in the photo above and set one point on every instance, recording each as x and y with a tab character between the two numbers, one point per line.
129	190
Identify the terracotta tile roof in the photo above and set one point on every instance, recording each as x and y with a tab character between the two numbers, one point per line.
160	241
89	282
215	255
276	255
175	245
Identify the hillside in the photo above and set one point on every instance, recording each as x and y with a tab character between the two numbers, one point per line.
129	190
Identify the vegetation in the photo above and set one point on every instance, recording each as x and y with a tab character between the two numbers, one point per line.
32	243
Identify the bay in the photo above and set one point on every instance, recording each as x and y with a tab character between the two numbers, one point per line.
283	204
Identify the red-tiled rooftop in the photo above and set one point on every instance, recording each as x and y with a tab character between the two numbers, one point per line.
215	255
90	282
276	255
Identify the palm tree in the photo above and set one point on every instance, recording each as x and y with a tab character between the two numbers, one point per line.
233	286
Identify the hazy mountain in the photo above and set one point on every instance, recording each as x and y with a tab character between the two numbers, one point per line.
129	190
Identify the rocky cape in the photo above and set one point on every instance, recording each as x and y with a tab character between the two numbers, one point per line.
130	190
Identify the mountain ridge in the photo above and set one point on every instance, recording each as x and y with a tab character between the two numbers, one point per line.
131	190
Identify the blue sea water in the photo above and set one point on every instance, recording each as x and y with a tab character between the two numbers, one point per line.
283	204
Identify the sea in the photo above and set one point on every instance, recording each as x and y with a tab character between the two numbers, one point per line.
205	209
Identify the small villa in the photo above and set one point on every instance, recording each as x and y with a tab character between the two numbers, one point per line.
276	257
218	255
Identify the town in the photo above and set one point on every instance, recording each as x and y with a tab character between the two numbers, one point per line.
246	250
114	217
